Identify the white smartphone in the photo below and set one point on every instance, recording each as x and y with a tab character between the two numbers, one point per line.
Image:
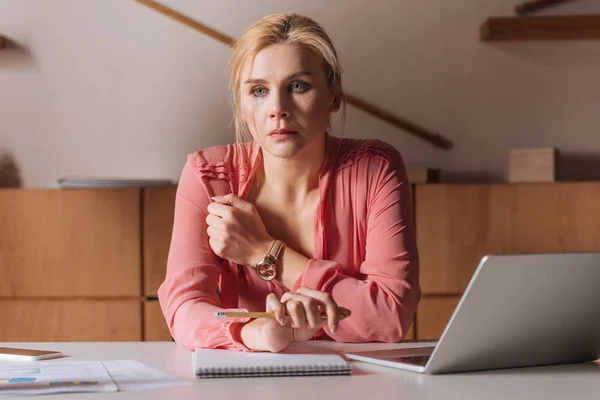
16	354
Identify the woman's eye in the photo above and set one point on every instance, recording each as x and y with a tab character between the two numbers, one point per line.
299	87
258	91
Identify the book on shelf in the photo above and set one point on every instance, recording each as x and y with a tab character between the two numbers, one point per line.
77	182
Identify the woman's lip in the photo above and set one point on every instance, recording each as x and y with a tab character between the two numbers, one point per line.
281	132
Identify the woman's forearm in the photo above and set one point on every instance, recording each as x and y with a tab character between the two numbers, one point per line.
290	266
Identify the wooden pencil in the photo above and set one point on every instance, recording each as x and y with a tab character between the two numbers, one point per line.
342	312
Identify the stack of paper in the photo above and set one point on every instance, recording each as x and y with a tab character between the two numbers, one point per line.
44	377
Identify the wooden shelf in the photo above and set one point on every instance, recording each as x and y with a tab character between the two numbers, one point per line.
541	28
536	5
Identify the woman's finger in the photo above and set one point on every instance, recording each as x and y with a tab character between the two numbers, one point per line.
233	201
311	308
295	310
221	210
274	305
215	221
313	314
211	232
326	300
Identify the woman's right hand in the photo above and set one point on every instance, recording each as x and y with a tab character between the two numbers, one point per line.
297	319
264	334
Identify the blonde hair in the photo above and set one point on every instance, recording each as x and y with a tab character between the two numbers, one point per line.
275	29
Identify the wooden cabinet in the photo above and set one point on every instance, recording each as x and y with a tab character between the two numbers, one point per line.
456	225
433	315
69	243
70	263
70	320
155	326
86	264
159	205
549	218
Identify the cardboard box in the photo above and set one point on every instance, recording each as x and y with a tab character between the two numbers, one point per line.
533	165
422	175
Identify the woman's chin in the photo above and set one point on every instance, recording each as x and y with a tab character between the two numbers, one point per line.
284	150
291	147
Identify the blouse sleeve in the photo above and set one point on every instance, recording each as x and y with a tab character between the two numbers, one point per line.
188	296
384	300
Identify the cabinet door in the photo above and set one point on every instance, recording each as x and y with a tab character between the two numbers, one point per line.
70	243
159	205
155	326
554	218
457	225
433	315
70	320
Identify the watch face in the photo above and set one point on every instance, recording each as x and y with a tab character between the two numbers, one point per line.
266	271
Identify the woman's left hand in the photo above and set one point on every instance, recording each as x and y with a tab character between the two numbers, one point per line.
236	231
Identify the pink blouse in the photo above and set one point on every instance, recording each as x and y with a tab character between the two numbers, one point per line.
365	252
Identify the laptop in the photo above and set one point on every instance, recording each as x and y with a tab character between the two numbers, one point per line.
517	311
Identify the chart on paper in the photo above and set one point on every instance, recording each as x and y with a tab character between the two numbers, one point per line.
60	377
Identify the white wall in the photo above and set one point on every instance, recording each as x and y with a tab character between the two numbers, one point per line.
112	88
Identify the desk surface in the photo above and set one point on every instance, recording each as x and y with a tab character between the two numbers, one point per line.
580	381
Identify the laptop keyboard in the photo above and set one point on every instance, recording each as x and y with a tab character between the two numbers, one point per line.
416	360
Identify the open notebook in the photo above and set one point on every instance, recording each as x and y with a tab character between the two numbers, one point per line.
297	360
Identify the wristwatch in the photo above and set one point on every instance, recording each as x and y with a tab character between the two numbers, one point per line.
266	269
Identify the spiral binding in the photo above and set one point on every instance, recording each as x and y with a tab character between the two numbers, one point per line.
274	370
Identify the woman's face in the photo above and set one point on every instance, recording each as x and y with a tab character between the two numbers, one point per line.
285	99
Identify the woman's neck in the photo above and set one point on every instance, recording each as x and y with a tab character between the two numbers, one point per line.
292	180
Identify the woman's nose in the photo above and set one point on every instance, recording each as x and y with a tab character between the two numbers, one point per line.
280	108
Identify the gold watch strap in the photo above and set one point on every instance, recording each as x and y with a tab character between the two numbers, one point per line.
276	248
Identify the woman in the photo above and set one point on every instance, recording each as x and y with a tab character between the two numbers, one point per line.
291	219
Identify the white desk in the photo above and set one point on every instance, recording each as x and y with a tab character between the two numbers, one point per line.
368	382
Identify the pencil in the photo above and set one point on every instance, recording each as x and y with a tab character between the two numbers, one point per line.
342	313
